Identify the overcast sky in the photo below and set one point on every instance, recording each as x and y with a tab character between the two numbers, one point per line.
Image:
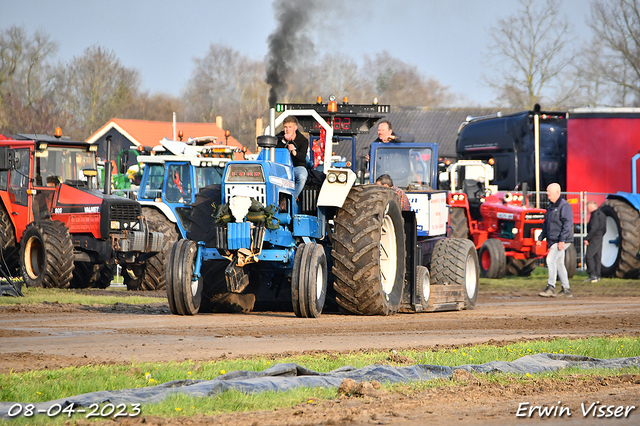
444	39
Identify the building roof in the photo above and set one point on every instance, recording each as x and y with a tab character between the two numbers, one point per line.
426	125
150	133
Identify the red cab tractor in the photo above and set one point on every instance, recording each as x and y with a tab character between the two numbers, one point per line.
56	227
500	224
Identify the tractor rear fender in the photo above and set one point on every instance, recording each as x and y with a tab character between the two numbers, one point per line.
633	199
333	194
165	209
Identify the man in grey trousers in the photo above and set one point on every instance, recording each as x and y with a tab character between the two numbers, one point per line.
558	230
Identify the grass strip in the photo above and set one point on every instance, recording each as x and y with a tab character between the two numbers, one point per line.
79	297
45	385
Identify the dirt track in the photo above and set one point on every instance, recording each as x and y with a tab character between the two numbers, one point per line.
53	335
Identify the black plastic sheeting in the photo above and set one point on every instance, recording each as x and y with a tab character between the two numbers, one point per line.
282	377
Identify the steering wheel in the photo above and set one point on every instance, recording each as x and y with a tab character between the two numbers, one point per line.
482	193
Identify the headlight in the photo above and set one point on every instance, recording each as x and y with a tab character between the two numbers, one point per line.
331	177
342	177
115	224
514	231
508	197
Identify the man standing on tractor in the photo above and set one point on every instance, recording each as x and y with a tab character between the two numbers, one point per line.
385	132
297	145
558	230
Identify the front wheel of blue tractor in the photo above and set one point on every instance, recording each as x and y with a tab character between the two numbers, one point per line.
309	280
184	290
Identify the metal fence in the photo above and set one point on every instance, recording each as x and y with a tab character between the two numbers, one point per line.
578	202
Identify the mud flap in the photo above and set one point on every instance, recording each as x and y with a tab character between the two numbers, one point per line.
237	280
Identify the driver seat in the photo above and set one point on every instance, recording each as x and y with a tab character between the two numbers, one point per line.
470	187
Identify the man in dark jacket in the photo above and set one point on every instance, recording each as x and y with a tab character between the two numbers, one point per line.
385	132
558	230
596	229
298	146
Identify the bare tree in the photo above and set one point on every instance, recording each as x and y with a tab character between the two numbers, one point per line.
617	29
340	75
96	87
530	51
26	82
155	107
398	83
228	84
591	73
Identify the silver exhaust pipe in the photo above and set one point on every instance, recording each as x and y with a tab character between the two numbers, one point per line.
272	130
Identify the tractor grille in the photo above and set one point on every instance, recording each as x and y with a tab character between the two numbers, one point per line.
309	200
261	189
126	212
529	229
119	214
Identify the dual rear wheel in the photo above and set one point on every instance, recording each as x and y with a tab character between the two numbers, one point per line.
309	280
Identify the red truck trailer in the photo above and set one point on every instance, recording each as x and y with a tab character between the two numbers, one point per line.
600	145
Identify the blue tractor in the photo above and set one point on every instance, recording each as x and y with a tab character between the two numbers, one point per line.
172	174
621	242
251	245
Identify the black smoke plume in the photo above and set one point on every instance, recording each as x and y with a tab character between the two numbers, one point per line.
288	43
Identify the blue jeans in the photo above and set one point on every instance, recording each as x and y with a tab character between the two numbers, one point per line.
555	263
300	174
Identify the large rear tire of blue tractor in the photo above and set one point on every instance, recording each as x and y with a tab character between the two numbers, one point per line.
201	217
369	252
183	291
621	241
152	273
309	280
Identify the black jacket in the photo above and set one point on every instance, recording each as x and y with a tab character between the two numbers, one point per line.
399	137
558	223
597	225
302	146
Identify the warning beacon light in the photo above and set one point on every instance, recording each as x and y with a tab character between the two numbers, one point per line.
332	106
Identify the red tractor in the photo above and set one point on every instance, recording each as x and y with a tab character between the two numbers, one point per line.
56	228
503	228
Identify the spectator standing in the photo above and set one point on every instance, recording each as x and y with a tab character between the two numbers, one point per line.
558	230
596	229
